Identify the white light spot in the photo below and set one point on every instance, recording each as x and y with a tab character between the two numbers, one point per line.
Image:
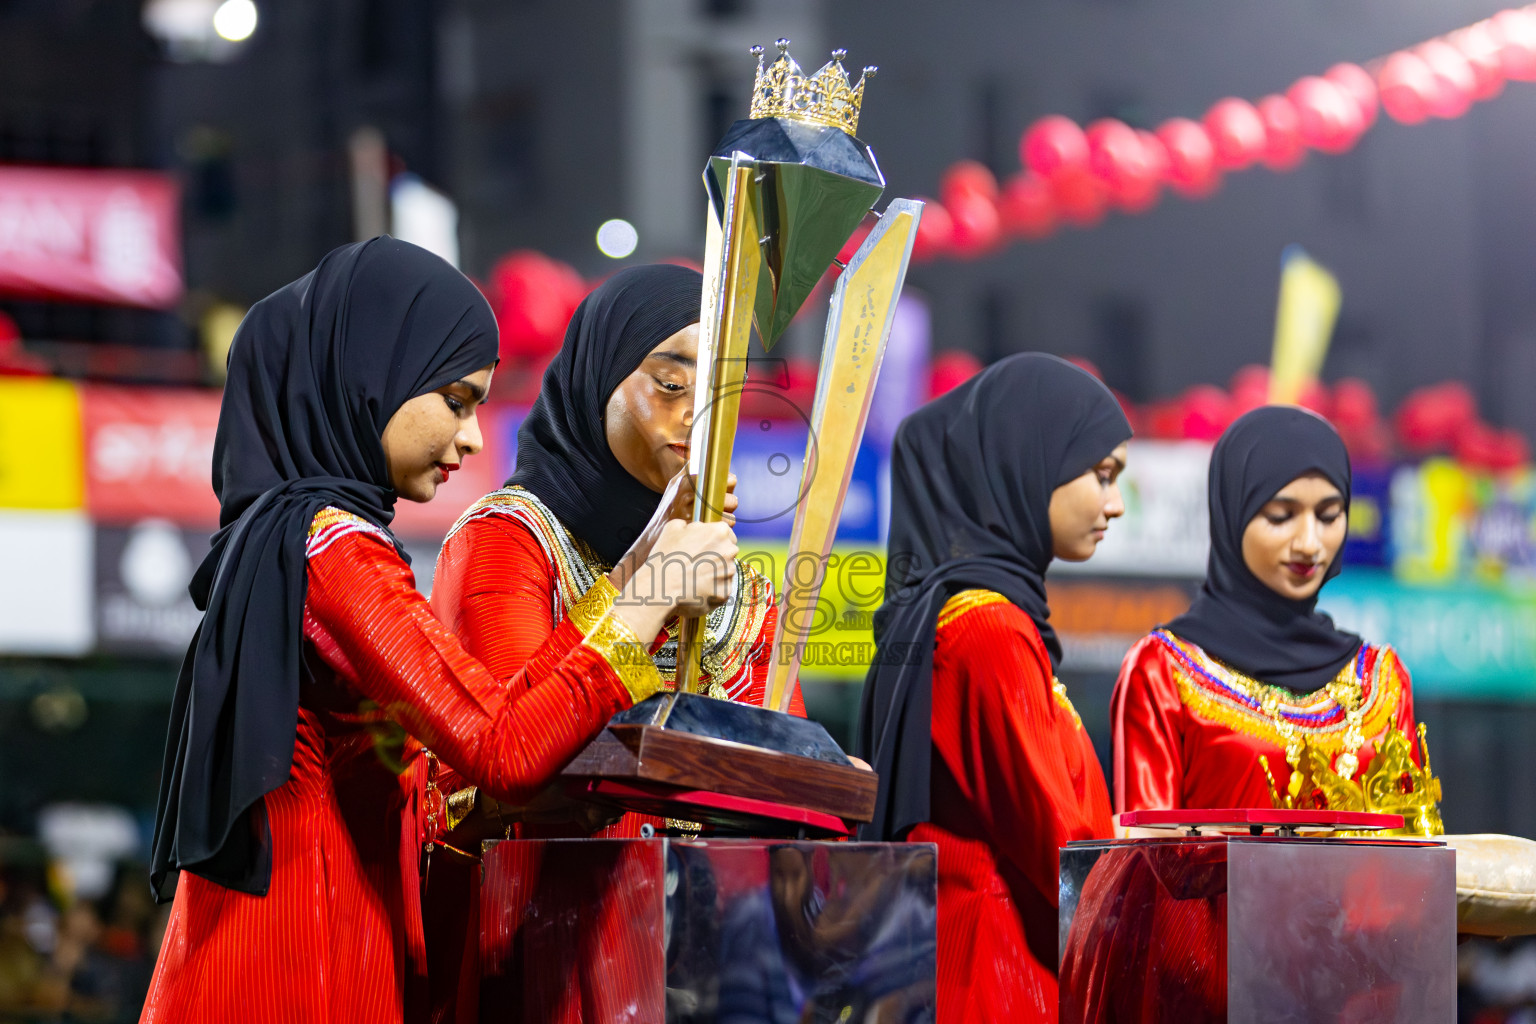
235	20
155	565
616	238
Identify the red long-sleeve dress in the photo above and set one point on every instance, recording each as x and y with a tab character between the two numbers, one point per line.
339	931
1014	778
1188	730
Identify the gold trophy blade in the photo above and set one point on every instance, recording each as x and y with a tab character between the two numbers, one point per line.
729	293
863	306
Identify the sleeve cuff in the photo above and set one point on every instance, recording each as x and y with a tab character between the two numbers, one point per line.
596	603
617	644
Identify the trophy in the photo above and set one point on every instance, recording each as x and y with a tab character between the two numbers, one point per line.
787	188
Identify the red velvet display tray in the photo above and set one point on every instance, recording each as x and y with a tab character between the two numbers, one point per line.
1258	817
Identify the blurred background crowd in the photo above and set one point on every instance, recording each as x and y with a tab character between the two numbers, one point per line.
1114	181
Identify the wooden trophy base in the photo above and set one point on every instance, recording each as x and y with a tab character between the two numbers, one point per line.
735	766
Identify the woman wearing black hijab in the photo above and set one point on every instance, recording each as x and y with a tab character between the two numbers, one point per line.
295	841
600	462
1253	668
977	746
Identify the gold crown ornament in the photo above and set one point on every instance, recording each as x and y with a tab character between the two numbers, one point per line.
1392	784
826	98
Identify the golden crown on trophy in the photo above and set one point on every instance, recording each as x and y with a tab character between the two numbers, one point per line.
826	98
1391	784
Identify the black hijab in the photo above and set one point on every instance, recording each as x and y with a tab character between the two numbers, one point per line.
972	474
316	370
1235	618
562	449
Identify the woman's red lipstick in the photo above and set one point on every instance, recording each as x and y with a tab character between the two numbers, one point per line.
445	470
1305	570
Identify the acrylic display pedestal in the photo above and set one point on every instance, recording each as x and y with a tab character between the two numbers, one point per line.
1258	928
638	931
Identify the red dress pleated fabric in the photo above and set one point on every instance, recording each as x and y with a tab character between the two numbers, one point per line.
339	932
1014	779
1188	731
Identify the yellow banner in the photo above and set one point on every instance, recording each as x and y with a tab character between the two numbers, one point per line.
1309	305
840	643
41	460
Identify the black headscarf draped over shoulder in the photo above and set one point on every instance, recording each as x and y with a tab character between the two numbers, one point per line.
316	370
562	449
1235	618
972	474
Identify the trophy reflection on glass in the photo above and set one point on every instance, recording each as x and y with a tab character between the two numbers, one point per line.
787	188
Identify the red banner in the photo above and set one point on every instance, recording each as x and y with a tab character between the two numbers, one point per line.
104	236
149	454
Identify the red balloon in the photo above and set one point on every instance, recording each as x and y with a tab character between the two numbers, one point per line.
1250	375
1512	452
1165	420
1283	147
1120	158
1027	207
935	232
1431	418
533	298
1407	87
1053	146
1154	153
1482	45
951	369
1487	448
1080	198
1366	444
1250	388
1314	395
977	229
1207	411
1139	193
1359	86
1517	54
1191	157
1354	404
1237	133
1327	117
1113	149
1454	79
968	177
